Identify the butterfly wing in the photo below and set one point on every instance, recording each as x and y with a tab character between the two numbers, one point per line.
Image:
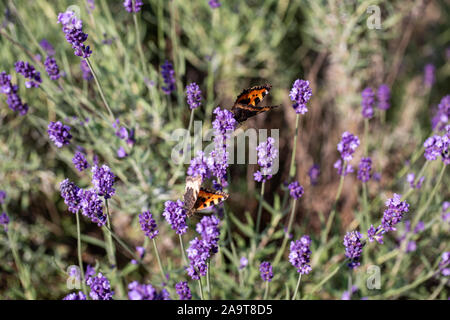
191	192
246	104
207	198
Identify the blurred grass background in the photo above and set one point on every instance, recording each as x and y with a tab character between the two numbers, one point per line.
225	50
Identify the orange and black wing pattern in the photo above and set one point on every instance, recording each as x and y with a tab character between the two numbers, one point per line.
246	105
207	198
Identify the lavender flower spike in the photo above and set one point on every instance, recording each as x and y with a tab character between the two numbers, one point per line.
348	145
296	190
214	4
183	290
133	5
103	181
148	224
300	254
52	68
79	161
168	75
59	133
353	248
364	170
193	96
383	94
266	272
175	215
300	93
70	194
100	288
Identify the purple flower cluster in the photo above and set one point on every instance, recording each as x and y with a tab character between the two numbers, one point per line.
394	212
103	181
214	4
100	288
265	269
12	98
59	133
429	75
300	254
411	178
243	262
208	228
168	75
267	154
444	264
47	46
300	93
341	170
383	95
52	68
442	115
353	248
445	214
183	290
314	173
2	196
73	30
70	192
133	5
79	161
92	206
29	72
198	254
296	190
86	71
175	215
138	291
4	220
364	169
75	296
347	146
193	96
200	166
368	100
148	224
438	146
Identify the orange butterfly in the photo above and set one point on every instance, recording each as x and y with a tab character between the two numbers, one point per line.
246	104
197	198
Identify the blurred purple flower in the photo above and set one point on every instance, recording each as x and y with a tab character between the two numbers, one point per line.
168	75
121	153
347	295
265	270
198	254
79	161
2	196
343	171
348	145
300	254
73	30
394	212
52	68
92	206
138	291
193	95
214	4
368	100
445	214
243	262
384	95
47	46
208	228
4	220
175	215
411	178
353	248
364	170
75	296
200	166
183	290
375	234
295	190
429	75
148	224
300	94
133	5
59	133
103	181
86	71
442	115
100	288
29	72
444	264
70	192
314	173
12	98
267	154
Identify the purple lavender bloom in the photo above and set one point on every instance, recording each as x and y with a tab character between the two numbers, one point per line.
168	75
70	192
347	295
411	178
137	291
2	196
411	246
300	93
214	4
348	145
47	46
92	206
90	271
15	103
193	96
73	30
300	254
52	68
208	228
364	170
429	75
343	171
243	262
140	252
296	190
444	264
442	116
445	214
314	173
265	270
433	147
121	153
4	220
133	5
87	75
75	296
100	288
394	212
224	122
198	254
368	99
375	234
29	72
183	290
419	227
148	224
200	166
103	181
5	83
90	5
175	215
384	95
79	161
267	154
59	133
353	248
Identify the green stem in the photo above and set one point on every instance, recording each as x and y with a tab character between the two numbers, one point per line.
201	288
333	211
183	250
100	89
365	221
294	297
266	290
258	219
208	278
286	235
80	259
163	274
366	136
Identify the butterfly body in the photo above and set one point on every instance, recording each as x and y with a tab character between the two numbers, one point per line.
246	104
